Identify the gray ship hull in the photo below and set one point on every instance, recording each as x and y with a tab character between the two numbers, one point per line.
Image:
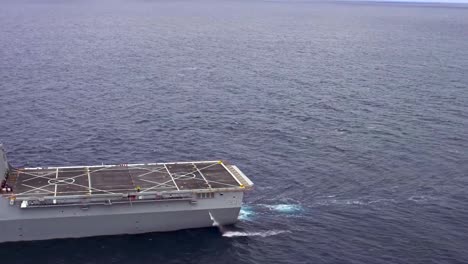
81	201
98	220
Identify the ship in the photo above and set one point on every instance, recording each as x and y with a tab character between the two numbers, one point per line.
41	203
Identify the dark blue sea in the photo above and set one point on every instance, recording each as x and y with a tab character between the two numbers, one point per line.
351	118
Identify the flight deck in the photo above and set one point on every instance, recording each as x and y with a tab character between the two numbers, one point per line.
122	179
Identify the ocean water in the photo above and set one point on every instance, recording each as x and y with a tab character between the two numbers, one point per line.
351	119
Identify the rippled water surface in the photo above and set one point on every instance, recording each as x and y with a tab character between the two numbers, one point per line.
351	119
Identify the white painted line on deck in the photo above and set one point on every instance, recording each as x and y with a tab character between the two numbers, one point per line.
234	176
171	177
209	185
55	191
89	180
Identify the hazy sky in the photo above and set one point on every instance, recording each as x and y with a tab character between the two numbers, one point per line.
426	1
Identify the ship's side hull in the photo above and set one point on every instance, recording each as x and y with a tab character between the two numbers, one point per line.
52	222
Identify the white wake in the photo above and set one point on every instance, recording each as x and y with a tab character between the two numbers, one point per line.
249	234
245	234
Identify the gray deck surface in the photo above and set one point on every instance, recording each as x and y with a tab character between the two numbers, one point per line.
120	179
